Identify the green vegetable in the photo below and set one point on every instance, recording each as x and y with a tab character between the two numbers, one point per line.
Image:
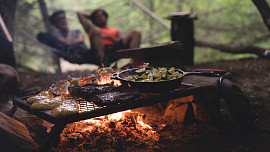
154	74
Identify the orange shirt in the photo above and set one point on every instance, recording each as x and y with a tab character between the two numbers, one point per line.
106	31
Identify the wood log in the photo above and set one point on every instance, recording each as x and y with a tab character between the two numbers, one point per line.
234	49
200	112
15	136
176	109
147	52
166	54
174	115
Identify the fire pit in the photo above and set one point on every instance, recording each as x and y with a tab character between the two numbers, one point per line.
192	95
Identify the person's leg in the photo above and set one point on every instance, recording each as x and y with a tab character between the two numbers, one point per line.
133	39
96	41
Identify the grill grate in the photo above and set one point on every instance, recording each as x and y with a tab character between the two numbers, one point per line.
86	106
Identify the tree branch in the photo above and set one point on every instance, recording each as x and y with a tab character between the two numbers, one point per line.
264	10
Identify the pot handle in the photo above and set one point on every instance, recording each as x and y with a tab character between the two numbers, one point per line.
211	74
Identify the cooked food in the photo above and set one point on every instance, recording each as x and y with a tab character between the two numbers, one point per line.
42	95
117	95
154	74
89	90
47	103
67	107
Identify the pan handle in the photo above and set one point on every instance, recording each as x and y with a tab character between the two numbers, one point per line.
211	74
115	76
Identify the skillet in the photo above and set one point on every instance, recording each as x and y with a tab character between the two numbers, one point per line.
158	86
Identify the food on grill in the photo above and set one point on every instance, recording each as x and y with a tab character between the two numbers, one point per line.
154	74
47	103
42	95
115	96
89	90
67	107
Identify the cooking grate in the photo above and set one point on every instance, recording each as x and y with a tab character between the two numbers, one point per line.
90	110
84	106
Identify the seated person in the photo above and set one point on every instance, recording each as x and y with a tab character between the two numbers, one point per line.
70	43
109	39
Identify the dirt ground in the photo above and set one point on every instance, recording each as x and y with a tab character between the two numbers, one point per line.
251	75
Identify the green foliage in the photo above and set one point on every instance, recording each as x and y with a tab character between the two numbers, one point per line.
232	22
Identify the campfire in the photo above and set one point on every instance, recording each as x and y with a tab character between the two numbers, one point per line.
103	122
122	130
118	131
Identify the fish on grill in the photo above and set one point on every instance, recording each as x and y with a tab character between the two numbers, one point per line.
103	95
89	90
117	95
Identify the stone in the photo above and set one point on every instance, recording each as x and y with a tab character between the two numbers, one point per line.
14	136
9	79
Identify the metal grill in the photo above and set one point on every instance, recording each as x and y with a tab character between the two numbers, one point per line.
86	106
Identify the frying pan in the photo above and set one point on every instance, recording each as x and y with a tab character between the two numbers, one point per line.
158	86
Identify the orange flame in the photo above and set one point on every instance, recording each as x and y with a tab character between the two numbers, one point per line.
119	116
66	92
105	79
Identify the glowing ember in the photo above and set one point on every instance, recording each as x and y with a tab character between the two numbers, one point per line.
112	132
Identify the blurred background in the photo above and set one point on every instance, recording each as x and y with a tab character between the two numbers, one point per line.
227	22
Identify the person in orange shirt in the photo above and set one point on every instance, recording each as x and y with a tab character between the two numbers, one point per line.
107	39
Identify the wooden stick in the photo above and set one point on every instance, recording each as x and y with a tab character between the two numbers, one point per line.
3	25
147	11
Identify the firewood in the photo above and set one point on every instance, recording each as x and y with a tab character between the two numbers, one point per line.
175	112
200	112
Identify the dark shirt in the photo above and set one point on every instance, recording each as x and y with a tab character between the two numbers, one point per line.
74	34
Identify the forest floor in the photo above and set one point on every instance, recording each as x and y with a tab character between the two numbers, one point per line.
251	75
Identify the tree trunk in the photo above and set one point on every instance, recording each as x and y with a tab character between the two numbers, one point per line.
264	10
45	16
7	11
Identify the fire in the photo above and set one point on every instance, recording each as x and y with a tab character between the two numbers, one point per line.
66	92
145	65
124	128
105	79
